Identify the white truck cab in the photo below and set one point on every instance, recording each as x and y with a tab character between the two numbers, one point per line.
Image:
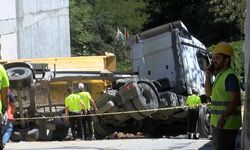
172	56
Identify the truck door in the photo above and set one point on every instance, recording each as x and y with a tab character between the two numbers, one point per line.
194	64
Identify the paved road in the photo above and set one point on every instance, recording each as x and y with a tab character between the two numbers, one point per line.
121	144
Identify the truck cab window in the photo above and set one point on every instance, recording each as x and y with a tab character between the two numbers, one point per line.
203	60
185	34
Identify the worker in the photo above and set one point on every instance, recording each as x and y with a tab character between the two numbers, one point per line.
225	98
90	106
8	118
73	112
193	102
4	87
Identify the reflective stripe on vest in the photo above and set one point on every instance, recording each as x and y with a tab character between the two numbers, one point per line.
220	100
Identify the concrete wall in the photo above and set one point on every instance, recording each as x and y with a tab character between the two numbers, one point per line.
34	29
7	29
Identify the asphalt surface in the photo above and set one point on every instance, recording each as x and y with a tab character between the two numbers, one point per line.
119	144
179	142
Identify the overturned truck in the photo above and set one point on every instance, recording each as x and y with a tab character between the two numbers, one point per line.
167	63
39	87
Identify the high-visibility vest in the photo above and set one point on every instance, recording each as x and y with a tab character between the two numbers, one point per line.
220	100
73	103
193	100
85	98
4	82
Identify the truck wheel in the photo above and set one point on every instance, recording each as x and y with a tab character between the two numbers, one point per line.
101	129
147	98
129	106
172	99
61	131
168	99
204	129
20	77
16	136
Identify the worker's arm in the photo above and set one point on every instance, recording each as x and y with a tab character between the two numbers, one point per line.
208	83
4	95
92	102
66	114
83	107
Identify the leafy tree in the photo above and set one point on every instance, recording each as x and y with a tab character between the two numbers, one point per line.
80	22
210	21
229	11
95	22
228	21
111	15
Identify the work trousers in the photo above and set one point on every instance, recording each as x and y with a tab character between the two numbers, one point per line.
76	125
88	126
192	117
7	131
224	139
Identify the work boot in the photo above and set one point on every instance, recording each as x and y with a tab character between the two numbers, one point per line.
196	136
189	135
93	137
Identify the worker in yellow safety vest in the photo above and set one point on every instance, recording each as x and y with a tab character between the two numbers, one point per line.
91	108
225	98
4	87
73	112
193	102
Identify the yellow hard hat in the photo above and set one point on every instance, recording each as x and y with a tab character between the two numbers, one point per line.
223	48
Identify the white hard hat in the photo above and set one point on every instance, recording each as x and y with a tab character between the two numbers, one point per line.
80	86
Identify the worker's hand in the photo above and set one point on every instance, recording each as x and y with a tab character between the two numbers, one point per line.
5	118
84	112
66	119
209	70
95	110
221	123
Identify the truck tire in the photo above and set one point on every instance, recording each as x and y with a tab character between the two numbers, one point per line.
203	127
20	77
16	136
169	99
129	106
147	99
172	99
25	135
101	129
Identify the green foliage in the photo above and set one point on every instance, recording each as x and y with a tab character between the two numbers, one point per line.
238	63
80	20
94	25
124	66
210	21
228	11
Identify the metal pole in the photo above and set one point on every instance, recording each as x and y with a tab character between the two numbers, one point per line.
19	11
245	138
